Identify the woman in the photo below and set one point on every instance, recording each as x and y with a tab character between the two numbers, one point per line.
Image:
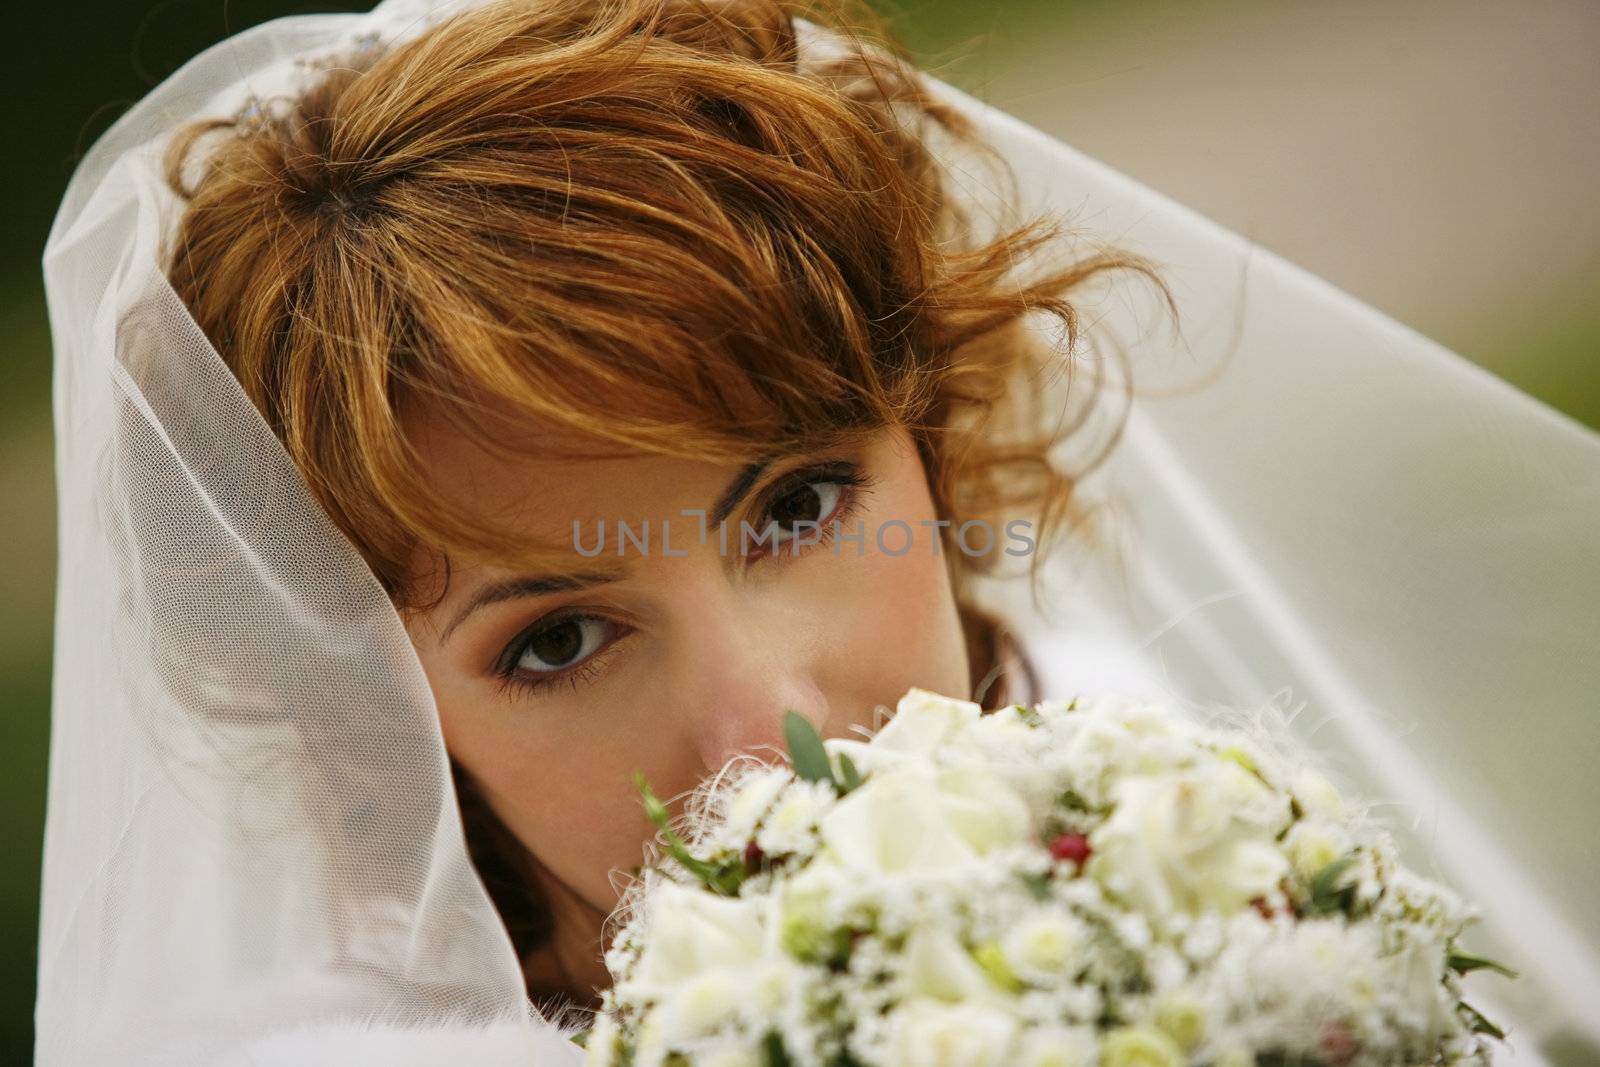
351	375
562	274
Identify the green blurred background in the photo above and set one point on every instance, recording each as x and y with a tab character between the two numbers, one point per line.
1436	158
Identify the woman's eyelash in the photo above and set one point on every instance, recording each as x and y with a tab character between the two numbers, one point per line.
856	482
518	683
515	681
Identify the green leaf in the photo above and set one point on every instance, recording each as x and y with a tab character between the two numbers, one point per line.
1480	1024
1037	885
581	1038
712	876
1326	893
849	776
1072	800
773	1053
810	759
993	963
1464	962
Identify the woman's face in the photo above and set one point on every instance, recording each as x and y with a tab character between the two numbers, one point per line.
553	695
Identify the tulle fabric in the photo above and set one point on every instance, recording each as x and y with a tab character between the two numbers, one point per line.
252	835
1321	512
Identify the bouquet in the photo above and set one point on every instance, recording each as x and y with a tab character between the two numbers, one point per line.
1100	882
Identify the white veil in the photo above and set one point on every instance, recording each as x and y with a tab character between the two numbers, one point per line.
252	830
1330	515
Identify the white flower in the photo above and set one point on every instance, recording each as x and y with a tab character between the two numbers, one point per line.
1005	745
938	967
800	911
1184	1017
1317	795
924	720
793	819
771	983
727	1053
925	1033
920	919
1420	963
600	1047
691	932
1043	945
1236	1056
652	1047
1139	1046
700	1004
1313	844
895	824
1111	737
755	793
985	811
1057	1046
1004	735
1189	840
915	819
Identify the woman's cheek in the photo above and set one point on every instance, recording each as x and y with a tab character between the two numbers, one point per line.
578	813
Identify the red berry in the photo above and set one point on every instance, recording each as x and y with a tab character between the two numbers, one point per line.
1074	847
753	856
1337	1044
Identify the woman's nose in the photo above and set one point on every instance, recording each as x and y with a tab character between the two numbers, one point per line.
745	711
748	663
750	725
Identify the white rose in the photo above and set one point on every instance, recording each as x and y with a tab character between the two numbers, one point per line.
866	758
984	810
1005	745
1057	1046
928	1034
1112	737
938	967
691	932
700	1004
1003	731
773	981
895	824
801	913
1188	840
923	720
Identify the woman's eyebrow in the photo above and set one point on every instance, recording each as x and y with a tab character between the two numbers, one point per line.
528	586
542	585
737	489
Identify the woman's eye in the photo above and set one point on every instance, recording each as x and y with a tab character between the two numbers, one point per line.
562	644
820	499
814	502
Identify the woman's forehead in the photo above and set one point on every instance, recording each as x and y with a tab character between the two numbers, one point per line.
539	484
